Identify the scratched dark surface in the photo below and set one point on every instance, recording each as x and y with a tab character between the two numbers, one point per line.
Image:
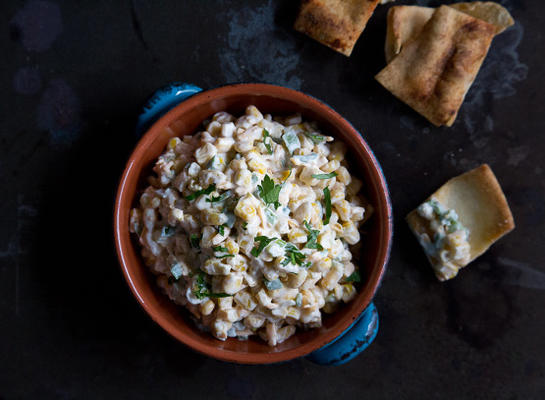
74	76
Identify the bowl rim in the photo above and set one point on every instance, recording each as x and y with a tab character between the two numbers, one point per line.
122	234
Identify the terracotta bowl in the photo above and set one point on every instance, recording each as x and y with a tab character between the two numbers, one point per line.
185	119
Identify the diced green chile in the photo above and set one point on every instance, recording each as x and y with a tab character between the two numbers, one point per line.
176	271
272	285
291	140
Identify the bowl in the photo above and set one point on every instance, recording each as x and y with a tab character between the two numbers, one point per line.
185	119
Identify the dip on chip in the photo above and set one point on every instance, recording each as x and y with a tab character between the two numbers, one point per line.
461	220
433	72
336	23
406	22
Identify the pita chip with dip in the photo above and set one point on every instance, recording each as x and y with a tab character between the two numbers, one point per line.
461	220
435	54
335	23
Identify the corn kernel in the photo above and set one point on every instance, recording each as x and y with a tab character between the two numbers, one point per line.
172	143
232	246
207	307
349	291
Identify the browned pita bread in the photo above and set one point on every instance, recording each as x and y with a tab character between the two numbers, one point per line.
335	23
406	22
478	199
433	72
488	11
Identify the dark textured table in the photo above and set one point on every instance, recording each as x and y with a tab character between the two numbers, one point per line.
74	77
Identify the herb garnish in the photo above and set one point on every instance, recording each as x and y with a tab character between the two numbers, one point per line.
293	255
263	242
221	229
325	176
196	194
266	142
222	249
195	240
354	277
312	238
203	289
327	201
269	192
225	255
221	197
244	225
316	139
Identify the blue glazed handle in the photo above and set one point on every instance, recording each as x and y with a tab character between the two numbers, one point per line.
162	101
351	342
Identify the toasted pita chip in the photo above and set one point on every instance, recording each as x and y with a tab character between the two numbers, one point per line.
433	72
335	23
488	11
477	198
406	22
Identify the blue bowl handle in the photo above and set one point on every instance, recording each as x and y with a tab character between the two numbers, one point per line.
363	330
351	342
162	101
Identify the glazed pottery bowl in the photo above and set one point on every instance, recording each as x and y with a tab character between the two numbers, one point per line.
185	119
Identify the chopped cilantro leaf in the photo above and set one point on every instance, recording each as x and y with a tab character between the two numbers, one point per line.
202	289
316	139
266	142
327	201
312	238
269	192
219	295
263	242
221	230
244	225
354	277
220	248
225	256
196	194
293	255
219	198
325	176
195	240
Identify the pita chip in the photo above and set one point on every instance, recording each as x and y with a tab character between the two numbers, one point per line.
433	72
406	22
335	23
488	11
481	209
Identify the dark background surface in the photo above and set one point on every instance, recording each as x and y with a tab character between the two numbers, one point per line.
74	76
